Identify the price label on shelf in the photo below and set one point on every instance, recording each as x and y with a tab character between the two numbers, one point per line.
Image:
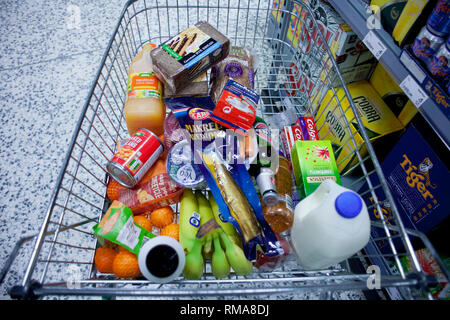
374	44
413	91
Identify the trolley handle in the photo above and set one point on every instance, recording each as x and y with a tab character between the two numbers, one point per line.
13	256
20	291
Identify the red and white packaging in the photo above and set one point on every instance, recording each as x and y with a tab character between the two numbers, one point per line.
289	135
130	163
236	108
304	129
309	129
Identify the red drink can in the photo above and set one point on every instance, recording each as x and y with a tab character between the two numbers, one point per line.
135	157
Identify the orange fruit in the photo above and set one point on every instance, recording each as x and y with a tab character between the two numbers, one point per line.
104	258
120	249
162	217
126	266
172	230
143	222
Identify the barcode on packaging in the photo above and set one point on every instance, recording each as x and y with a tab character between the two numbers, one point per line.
129	235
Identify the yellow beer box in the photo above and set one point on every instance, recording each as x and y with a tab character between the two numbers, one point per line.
392	95
380	123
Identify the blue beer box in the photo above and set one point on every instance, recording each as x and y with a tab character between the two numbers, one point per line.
419	183
428	84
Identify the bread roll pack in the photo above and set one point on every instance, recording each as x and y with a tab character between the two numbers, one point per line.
181	59
239	66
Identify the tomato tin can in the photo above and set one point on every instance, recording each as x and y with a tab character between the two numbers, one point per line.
135	157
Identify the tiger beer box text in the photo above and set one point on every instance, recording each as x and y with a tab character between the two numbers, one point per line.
419	183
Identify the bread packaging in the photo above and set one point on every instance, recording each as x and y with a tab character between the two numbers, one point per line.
181	59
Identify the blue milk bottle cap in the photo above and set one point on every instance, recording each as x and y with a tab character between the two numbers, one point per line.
348	204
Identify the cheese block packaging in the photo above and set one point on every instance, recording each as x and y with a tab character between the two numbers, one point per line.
378	120
181	59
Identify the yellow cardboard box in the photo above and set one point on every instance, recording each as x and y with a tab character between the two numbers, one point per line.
336	122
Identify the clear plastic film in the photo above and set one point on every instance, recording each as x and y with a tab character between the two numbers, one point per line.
236	196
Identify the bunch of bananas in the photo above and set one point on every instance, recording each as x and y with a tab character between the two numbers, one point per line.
221	245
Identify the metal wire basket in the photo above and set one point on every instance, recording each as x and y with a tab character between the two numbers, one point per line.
62	259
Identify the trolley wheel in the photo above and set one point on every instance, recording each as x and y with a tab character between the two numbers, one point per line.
23	293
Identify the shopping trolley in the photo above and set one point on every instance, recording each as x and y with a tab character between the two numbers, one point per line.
61	262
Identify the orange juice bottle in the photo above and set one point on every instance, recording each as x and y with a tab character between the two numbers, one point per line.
144	107
280	216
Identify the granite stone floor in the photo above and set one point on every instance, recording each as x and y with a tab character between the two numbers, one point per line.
50	52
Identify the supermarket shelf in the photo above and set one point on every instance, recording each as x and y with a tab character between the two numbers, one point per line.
355	13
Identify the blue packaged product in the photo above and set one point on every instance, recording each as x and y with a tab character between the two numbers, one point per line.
426	45
439	66
439	20
239	204
194	115
418	181
181	167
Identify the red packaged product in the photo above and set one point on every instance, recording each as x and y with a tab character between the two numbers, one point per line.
309	129
289	135
236	108
155	190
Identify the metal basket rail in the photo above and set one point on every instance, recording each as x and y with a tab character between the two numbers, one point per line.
64	248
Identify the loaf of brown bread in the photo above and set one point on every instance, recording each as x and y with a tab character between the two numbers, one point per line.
181	59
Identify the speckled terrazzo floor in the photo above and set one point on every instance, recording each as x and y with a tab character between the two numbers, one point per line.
48	60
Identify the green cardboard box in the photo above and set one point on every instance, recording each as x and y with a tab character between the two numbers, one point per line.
312	163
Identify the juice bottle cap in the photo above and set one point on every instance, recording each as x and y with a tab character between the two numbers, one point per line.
348	204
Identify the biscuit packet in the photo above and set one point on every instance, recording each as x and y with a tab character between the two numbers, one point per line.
117	226
194	114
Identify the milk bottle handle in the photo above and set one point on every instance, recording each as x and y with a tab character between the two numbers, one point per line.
314	198
333	188
327	189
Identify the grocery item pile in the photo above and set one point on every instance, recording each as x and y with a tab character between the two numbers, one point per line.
200	147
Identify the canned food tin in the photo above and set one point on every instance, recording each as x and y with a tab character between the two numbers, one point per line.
439	21
426	45
266	184
135	157
439	66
